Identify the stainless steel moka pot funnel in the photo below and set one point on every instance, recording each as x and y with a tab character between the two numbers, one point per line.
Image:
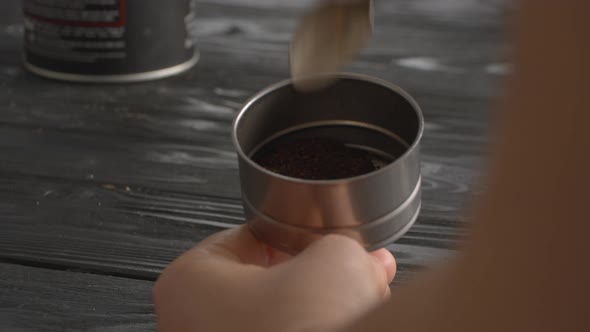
374	208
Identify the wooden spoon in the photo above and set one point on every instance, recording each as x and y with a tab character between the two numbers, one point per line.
329	37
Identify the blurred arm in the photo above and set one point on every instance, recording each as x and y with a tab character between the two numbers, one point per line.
526	266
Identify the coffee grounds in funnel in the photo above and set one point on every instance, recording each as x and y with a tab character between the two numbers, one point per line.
317	159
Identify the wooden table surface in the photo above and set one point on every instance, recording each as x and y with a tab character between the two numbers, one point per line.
101	186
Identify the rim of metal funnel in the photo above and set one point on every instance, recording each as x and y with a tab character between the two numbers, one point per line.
354	76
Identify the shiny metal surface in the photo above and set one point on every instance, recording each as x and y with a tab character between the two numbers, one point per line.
124	78
374	208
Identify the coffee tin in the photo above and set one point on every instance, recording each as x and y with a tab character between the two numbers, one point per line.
108	41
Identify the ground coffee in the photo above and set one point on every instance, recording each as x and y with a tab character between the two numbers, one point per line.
317	159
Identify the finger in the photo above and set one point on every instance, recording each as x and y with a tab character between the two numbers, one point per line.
388	261
276	256
337	254
237	245
380	272
387	294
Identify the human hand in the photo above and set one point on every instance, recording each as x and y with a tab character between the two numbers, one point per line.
233	282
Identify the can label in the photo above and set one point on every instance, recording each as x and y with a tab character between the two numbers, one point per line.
107	37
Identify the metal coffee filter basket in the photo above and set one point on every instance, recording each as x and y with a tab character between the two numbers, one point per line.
375	208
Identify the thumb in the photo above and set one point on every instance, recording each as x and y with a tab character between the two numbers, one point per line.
338	258
336	276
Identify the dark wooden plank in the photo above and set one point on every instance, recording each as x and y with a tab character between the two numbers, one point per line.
186	168
136	232
34	299
175	133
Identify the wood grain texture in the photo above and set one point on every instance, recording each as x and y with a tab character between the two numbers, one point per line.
134	232
34	299
121	179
